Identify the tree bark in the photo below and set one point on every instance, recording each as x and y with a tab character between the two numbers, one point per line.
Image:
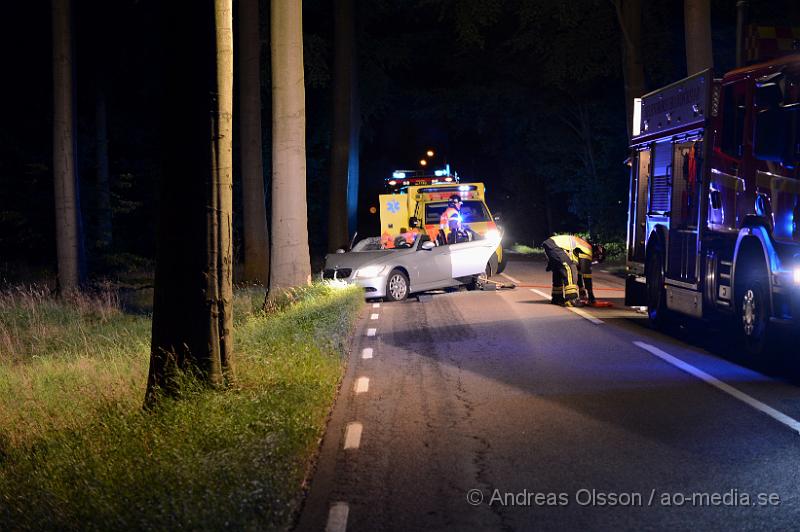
192	327
256	234
343	195
697	23
104	225
291	265
64	178
629	16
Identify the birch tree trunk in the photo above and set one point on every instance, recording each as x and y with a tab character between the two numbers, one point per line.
291	265
345	138
65	184
256	235
697	23
193	298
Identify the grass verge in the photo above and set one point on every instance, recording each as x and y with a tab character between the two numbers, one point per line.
78	453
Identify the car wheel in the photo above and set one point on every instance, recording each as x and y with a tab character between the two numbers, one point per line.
397	286
502	265
657	309
753	316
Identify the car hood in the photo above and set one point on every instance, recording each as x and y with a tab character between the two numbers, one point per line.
359	259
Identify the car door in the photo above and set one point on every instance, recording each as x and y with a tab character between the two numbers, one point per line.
432	267
470	258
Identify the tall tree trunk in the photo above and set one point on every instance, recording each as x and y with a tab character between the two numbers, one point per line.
103	185
346	124
291	265
256	235
629	16
697	22
194	284
64	178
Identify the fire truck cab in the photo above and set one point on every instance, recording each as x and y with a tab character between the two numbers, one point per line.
414	202
715	200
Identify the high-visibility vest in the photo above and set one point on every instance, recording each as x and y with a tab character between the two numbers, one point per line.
447	215
575	247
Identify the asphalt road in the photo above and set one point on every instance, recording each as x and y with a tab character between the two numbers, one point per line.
500	411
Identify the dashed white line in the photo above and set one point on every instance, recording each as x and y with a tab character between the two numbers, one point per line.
374	316
366	353
362	385
722	386
580	312
376	305
515	281
337	517
352	435
371	332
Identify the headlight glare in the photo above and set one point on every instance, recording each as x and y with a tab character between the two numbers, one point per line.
370	271
796	275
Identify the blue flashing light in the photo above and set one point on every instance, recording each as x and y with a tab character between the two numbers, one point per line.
440	173
463	188
399	175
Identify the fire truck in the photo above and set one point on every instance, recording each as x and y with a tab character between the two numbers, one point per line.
415	201
714	201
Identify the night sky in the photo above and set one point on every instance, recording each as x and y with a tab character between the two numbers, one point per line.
490	85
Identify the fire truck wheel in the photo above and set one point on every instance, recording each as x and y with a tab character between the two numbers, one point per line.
657	311
397	286
753	316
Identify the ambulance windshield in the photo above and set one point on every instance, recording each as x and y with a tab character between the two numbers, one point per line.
472	211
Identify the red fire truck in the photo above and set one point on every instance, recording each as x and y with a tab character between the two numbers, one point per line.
714	208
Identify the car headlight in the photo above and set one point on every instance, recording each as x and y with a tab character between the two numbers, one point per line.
370	271
493	234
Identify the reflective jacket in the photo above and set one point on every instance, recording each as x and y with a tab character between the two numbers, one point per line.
450	213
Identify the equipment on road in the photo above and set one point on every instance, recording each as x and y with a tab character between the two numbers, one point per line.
714	210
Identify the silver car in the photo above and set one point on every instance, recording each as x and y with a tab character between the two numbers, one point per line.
395	273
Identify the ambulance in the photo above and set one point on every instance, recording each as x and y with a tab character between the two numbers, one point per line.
414	202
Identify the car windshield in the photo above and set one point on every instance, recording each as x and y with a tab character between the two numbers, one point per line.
471	211
388	243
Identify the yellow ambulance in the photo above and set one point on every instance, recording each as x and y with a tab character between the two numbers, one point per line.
415	202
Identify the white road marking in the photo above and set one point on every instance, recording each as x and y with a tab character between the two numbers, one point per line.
515	281
337	517
580	312
546	296
722	386
362	385
371	332
376	305
352	435
583	314
366	353
374	316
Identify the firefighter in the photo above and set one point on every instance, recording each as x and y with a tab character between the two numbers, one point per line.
450	220
570	259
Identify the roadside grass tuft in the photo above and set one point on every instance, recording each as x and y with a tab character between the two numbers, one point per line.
527	250
77	451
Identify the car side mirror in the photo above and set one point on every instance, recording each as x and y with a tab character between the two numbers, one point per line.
427	245
413	222
497	217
